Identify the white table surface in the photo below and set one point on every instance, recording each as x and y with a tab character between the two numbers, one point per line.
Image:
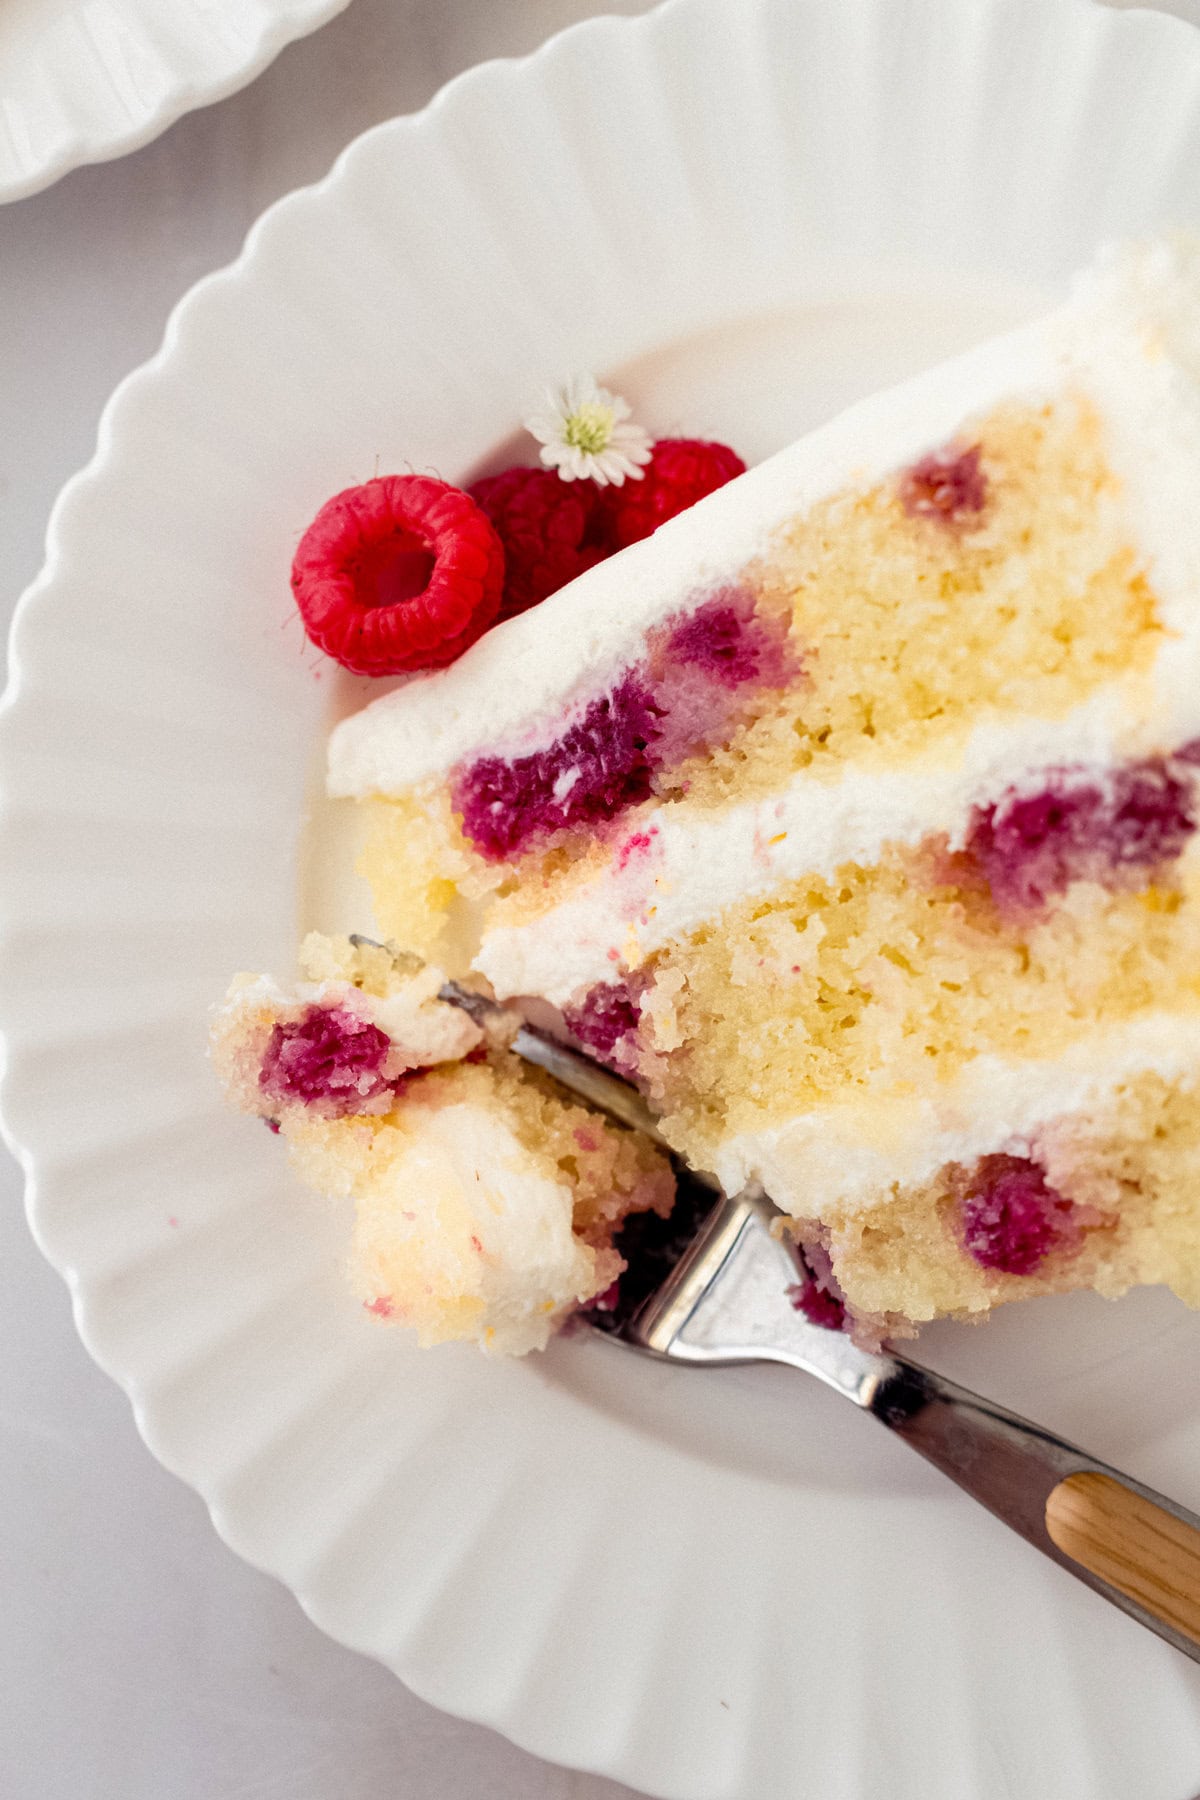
139	1659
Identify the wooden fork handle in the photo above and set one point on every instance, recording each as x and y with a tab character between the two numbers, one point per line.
728	1301
1137	1548
1149	1555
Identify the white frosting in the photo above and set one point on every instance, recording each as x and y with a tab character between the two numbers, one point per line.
1130	339
1129	336
514	690
466	1233
424	1029
854	1153
697	862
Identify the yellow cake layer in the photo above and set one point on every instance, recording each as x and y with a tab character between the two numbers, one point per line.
908	633
423	875
604	1164
610	1172
888	979
1134	1164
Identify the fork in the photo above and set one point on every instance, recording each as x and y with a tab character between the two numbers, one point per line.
727	1300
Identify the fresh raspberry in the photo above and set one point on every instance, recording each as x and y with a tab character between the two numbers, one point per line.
402	573
680	472
547	528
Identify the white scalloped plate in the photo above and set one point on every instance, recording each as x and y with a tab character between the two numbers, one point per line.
719	1586
85	80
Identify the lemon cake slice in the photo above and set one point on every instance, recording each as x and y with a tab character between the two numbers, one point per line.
853	815
485	1201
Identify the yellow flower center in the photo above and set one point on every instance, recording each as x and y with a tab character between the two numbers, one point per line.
589	428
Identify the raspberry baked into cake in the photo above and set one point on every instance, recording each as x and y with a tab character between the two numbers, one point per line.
486	1200
852	814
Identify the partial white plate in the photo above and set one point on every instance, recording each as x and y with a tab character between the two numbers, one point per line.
85	80
719	1586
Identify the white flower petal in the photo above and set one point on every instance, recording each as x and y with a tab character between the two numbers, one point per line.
581	391
574	465
625	447
546	431
615	470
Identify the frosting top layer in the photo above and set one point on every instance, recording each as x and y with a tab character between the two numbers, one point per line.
516	689
1129	337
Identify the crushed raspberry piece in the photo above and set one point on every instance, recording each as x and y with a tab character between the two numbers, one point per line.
402	573
691	692
730	642
382	1306
818	1307
548	528
680	472
329	1059
948	486
601	764
650	1244
1116	829
607	1015
1011	1218
715	638
818	1296
707	669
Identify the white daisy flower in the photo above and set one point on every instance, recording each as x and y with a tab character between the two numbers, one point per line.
586	433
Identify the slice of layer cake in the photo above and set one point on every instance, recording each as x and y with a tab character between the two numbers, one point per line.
485	1201
852	814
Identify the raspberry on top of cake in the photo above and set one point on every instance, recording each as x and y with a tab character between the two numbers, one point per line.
853	813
